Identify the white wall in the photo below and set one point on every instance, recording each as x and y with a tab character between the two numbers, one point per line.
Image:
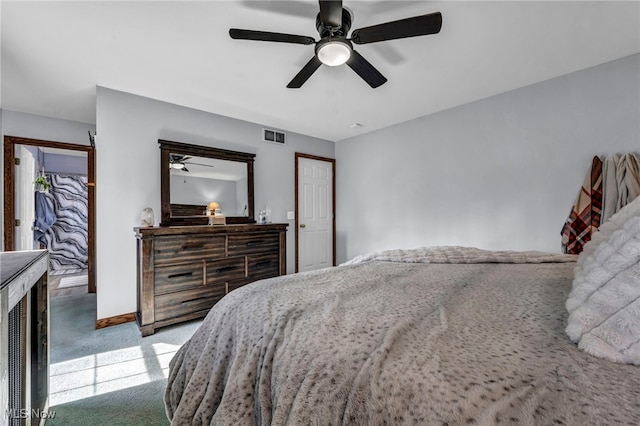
185	189
128	177
45	128
500	173
65	164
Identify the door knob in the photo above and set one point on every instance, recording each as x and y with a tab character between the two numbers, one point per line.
302	225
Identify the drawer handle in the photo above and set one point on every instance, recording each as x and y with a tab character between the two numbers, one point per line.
192	246
189	302
225	269
182	274
263	264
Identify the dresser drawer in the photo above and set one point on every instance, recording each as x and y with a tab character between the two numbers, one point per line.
261	266
175	305
236	284
170	279
255	243
184	249
223	270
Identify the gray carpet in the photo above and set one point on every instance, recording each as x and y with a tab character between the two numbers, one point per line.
111	376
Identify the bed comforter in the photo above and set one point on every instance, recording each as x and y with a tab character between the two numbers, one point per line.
397	339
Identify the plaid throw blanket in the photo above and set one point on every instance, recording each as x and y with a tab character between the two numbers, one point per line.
584	218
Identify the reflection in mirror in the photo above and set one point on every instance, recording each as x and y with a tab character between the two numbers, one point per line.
200	180
192	176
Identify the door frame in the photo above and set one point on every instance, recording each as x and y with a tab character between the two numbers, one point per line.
298	156
9	196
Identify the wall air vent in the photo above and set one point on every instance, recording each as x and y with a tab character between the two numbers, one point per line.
273	136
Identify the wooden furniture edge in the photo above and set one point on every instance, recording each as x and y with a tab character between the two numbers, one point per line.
116	320
24	285
180	230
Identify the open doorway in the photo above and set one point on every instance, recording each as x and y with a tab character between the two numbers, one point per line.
58	215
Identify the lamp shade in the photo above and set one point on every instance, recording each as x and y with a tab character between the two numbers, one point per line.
213	206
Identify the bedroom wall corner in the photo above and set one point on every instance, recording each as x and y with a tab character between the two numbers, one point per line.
128	174
498	173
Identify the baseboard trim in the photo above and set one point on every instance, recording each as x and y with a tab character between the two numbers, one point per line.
118	319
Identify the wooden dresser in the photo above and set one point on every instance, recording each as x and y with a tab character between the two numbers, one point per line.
182	271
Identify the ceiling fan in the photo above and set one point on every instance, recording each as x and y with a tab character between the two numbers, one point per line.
335	48
179	162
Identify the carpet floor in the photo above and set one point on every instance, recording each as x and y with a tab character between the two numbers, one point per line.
111	376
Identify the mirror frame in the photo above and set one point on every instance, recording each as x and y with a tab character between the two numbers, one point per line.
171	147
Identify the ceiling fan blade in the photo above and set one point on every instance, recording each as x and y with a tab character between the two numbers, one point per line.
409	27
178	158
268	36
305	73
331	13
364	69
200	164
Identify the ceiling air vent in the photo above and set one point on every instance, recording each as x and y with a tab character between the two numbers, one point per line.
273	136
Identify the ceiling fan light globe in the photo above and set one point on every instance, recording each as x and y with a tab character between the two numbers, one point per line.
334	53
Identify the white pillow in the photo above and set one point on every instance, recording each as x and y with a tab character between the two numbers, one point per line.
604	303
604	230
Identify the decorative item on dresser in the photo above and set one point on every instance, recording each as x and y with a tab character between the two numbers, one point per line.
146	217
184	270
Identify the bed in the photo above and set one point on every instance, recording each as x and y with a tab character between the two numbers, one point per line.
441	335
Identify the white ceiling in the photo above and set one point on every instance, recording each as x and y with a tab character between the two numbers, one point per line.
55	53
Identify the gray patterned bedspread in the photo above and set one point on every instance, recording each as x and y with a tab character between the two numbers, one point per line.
396	339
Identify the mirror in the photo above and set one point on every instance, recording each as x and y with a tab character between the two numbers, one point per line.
199	180
192	176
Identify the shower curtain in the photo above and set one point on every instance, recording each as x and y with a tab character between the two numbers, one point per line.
66	239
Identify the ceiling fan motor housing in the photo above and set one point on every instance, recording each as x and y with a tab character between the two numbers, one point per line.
326	31
334	48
